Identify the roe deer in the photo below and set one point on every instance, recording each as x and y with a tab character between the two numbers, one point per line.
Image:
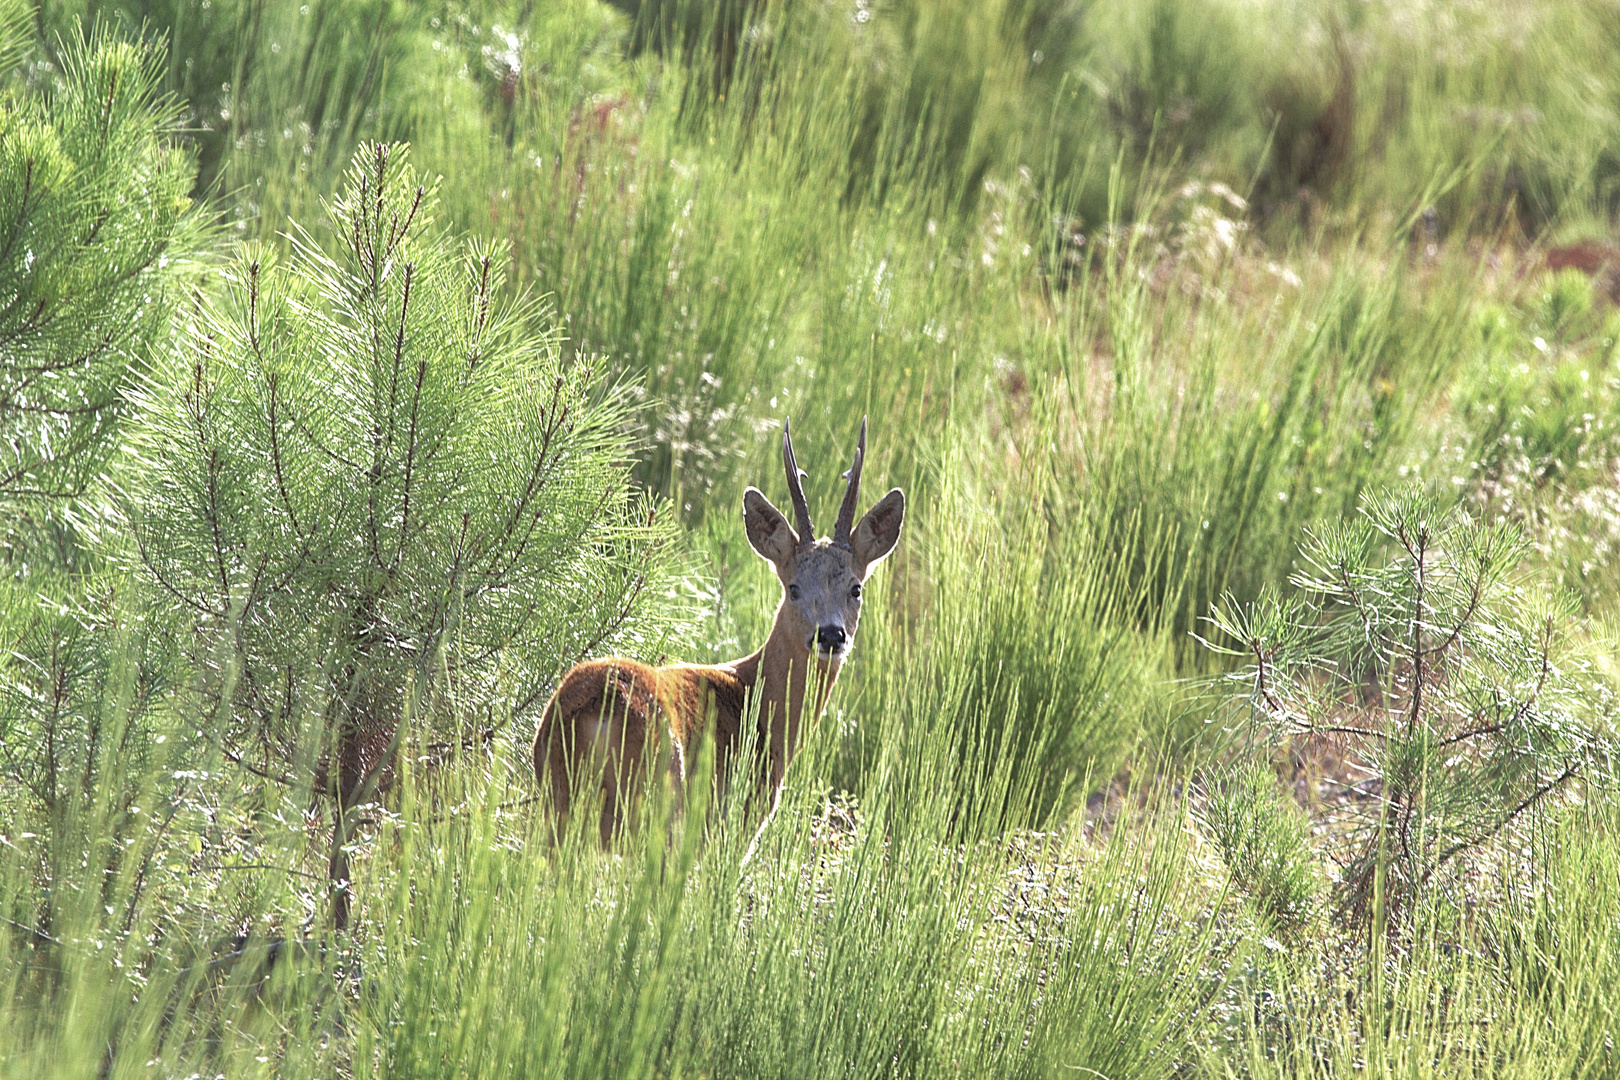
611	714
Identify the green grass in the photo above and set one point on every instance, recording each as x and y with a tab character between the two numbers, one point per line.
1133	295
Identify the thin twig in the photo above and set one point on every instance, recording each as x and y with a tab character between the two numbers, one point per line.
258	866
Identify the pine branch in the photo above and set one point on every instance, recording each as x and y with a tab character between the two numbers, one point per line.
1461	846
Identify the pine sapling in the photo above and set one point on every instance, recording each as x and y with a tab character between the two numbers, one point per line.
1416	635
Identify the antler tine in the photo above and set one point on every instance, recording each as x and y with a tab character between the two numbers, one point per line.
852	493
801	509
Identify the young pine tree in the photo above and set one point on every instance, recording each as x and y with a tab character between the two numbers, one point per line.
387	510
95	220
96	229
1416	636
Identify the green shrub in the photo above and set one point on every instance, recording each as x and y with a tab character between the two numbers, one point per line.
1265	842
1534	431
97	230
369	488
1480	707
96	221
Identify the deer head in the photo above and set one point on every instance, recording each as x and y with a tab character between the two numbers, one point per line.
822	579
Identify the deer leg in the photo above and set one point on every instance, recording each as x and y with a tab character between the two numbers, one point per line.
561	793
623	768
610	804
675	766
551	744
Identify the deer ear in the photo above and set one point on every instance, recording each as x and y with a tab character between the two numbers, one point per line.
876	534
768	531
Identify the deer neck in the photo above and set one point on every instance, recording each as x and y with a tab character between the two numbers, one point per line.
784	673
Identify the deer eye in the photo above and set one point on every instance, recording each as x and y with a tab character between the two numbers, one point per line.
793	592
855	592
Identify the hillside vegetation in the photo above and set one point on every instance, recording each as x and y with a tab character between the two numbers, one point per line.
1240	701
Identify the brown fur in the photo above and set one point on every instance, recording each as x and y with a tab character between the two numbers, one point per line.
621	716
630	701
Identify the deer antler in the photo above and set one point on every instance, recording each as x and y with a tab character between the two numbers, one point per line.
801	509
852	493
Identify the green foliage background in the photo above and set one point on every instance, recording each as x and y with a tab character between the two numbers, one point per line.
1134	295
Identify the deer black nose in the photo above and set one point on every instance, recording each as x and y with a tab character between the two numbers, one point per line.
831	637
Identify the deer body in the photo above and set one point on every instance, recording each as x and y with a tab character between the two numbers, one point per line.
624	717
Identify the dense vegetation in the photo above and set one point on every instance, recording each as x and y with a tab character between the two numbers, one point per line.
1240	701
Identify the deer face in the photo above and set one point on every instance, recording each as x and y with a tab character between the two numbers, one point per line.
822	580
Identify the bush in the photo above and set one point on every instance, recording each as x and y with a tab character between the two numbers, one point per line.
1264	842
1413	636
96	228
1537	430
95	219
373	494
